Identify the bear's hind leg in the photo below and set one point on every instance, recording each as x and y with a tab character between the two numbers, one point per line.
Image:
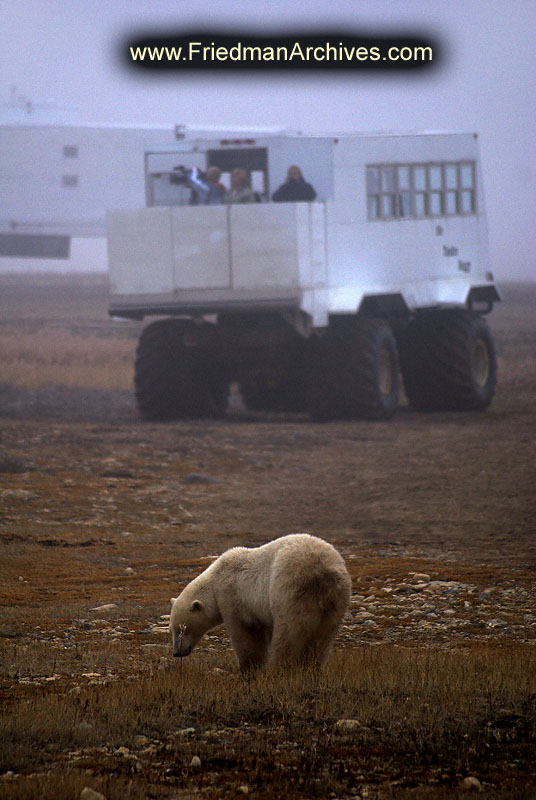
304	643
250	645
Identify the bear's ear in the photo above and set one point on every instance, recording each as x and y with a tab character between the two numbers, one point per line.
197	605
172	600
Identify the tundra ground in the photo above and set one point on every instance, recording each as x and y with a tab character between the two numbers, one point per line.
431	690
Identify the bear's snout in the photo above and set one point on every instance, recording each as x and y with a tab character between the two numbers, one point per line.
182	653
182	641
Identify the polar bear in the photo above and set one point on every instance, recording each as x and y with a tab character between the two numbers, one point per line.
281	603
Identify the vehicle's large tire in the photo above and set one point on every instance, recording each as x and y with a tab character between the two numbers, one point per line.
274	387
355	372
170	380
261	388
448	361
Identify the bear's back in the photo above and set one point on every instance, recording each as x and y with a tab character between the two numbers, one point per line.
310	572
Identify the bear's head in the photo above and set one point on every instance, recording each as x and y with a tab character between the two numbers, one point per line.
188	623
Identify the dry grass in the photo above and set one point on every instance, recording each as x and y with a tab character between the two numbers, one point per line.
54	357
422	717
55	331
449	495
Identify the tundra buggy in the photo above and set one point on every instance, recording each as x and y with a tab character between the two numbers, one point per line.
311	306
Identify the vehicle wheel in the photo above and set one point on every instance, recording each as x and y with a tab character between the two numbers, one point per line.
214	389
168	375
273	387
355	372
261	388
448	362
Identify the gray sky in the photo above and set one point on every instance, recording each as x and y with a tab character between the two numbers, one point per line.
66	51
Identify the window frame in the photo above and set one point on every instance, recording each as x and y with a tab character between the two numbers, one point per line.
70	151
382	198
69	181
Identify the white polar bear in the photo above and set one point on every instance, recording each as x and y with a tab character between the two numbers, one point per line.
281	603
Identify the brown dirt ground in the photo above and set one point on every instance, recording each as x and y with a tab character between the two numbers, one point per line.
87	490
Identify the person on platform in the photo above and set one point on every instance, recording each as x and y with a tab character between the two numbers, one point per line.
240	191
295	188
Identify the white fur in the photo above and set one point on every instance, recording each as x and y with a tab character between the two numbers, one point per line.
281	603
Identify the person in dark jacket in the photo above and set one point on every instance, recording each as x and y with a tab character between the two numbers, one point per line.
294	189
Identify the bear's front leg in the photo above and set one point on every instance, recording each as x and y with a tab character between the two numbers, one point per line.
250	644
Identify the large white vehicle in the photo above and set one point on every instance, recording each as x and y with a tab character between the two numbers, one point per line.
311	306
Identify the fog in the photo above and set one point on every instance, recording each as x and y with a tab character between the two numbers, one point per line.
69	53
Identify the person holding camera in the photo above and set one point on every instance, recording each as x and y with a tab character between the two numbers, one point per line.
209	190
206	187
